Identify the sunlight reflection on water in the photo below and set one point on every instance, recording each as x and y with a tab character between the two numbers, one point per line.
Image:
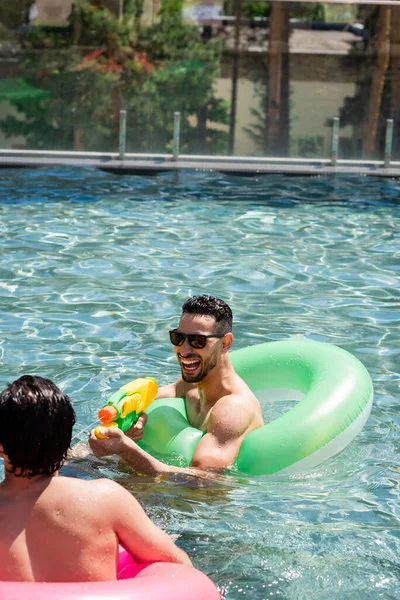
93	271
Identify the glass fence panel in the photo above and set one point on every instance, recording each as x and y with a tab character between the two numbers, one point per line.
248	77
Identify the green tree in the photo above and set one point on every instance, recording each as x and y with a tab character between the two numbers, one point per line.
149	72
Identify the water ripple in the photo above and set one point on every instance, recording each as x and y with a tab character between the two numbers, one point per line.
93	271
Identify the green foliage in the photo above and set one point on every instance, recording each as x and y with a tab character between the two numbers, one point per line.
319	13
171	10
40	37
76	99
134	9
149	72
256	8
308	146
183	81
100	26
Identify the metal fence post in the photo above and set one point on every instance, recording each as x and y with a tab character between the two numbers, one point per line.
177	135
388	142
122	133
335	141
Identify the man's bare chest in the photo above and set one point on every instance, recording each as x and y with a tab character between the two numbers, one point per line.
198	415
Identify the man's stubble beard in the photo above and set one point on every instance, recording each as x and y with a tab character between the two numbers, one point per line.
207	367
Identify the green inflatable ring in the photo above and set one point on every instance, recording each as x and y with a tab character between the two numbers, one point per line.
336	398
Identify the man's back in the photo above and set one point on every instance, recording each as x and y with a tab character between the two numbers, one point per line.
66	529
55	530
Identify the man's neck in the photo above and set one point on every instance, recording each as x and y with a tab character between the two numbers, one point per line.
218	382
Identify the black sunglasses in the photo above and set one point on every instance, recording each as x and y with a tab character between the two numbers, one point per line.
196	340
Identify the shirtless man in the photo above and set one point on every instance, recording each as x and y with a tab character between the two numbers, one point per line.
60	528
218	401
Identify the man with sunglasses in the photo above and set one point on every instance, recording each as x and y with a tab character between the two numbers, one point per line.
218	401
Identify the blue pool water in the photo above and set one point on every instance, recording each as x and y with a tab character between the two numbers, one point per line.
93	271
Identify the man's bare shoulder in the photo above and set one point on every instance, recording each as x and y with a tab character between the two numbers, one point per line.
237	402
235	413
240	396
95	489
63	486
94	499
90	484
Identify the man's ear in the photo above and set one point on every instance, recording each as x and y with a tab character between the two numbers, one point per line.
227	341
1	450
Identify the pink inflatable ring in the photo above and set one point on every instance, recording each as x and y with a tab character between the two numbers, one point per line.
147	581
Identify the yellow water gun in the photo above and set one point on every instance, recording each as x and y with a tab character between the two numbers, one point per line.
127	404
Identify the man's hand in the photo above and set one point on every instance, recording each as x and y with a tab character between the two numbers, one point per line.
136	431
118	443
114	443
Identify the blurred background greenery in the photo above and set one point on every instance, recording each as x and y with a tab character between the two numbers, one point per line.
249	77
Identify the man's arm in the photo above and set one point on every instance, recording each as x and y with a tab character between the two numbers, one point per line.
140	460
227	426
218	449
144	540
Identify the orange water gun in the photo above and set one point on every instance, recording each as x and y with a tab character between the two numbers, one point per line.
127	404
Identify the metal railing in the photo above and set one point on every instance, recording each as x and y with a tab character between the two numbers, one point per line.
125	162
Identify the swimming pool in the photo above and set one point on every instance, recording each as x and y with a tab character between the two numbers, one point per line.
94	269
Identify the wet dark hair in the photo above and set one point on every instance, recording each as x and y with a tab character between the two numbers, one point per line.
36	420
213	307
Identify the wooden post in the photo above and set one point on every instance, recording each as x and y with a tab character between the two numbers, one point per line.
395	70
276	135
235	75
378	81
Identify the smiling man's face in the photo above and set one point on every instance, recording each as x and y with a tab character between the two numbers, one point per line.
196	363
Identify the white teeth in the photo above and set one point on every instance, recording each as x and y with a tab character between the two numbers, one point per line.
190	365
